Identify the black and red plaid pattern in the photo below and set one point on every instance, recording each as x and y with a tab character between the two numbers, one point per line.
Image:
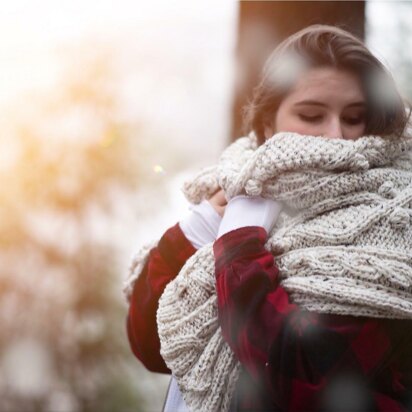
304	360
292	359
163	265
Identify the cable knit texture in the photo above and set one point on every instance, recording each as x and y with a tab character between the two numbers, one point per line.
342	243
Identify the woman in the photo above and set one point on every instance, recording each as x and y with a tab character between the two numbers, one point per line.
321	81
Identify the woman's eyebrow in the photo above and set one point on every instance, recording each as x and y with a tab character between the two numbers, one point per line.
316	103
310	102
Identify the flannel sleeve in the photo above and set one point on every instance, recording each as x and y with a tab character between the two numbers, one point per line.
301	355
251	315
164	263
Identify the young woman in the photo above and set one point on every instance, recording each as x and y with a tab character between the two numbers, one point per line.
321	81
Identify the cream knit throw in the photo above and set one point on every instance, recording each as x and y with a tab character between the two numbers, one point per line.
343	245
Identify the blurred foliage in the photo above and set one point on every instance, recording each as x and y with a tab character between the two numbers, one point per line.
63	339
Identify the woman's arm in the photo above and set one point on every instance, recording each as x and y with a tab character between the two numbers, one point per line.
163	265
246	279
299	355
178	243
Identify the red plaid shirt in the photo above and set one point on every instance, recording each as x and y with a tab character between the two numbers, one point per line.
292	359
163	265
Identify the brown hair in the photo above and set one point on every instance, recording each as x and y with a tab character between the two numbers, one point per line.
323	45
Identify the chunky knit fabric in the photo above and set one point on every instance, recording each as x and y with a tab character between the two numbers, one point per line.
342	243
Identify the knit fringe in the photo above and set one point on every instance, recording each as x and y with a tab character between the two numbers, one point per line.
191	342
136	266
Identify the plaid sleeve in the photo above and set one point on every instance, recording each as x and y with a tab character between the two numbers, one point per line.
251	315
306	360
164	263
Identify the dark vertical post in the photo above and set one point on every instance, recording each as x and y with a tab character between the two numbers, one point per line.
263	24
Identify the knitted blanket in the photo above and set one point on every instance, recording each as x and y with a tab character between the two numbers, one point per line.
342	243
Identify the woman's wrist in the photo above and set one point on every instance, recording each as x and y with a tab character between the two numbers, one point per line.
245	210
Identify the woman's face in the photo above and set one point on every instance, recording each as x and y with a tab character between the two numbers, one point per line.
324	102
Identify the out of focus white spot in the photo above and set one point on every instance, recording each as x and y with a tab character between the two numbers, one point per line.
90	328
27	367
382	89
62	401
347	392
158	169
285	70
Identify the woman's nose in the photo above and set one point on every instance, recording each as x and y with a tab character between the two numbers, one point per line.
334	129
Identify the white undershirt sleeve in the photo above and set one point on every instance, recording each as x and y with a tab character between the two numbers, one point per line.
243	210
201	224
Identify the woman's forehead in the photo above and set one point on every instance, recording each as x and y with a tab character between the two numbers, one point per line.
326	85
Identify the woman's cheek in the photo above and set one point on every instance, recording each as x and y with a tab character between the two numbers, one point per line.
306	129
355	133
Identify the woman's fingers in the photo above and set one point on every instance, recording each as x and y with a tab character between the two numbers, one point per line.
220	197
218	201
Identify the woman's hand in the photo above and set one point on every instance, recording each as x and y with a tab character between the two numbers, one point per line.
218	201
243	210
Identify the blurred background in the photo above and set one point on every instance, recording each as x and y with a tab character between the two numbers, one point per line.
106	108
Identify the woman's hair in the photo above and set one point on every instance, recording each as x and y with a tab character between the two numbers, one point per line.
321	45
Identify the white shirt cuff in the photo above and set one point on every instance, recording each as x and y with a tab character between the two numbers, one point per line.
201	224
245	210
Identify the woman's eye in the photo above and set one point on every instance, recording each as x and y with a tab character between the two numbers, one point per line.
310	118
354	120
